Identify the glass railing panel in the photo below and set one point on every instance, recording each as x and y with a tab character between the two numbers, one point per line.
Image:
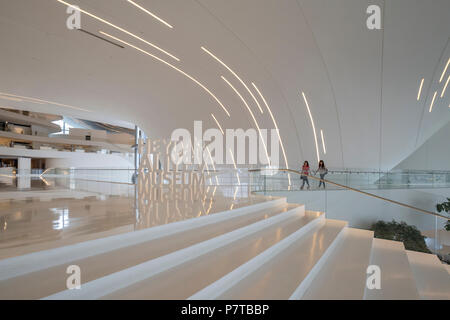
394	213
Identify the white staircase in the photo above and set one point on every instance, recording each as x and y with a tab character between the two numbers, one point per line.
270	250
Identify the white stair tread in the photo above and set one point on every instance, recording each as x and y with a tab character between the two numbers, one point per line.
111	283
344	275
29	286
397	281
281	276
433	281
199	273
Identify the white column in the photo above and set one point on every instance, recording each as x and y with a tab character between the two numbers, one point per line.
23	172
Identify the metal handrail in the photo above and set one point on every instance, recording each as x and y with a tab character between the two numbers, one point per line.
355	190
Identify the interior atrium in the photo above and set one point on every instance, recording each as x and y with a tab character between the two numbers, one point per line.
224	150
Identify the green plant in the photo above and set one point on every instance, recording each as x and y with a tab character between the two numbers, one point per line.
444	206
409	235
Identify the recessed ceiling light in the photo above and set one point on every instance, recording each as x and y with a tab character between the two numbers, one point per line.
253	116
323	142
445	70
213	164
234	74
150	13
313	126
432	101
172	66
445	87
218	124
119	28
276	127
235	167
420	89
11	99
40	101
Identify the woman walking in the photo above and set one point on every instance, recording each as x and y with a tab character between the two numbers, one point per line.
322	170
305	174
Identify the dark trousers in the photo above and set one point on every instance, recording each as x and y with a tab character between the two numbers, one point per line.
305	180
322	182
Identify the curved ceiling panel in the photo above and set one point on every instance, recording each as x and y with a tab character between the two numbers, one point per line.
361	85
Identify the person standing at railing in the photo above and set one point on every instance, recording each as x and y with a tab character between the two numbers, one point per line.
322	170
305	174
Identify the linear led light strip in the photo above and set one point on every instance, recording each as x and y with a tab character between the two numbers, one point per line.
323	142
172	66
11	98
212	162
212	198
432	101
253	116
118	28
235	167
218	124
445	87
150	13
276	127
313	125
44	101
237	77
445	70
420	89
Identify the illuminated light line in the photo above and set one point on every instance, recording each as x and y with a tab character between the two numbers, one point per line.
44	101
445	87
11	99
212	162
172	66
323	142
150	13
234	73
235	193
218	124
212	198
420	89
432	101
313	125
253	116
276	127
445	70
15	98
119	28
235	167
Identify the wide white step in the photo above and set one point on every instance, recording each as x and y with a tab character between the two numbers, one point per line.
20	277
432	278
344	275
397	281
110	284
287	271
201	272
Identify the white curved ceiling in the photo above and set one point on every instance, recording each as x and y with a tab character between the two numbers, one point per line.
361	84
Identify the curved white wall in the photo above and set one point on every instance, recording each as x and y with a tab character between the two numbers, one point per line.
361	84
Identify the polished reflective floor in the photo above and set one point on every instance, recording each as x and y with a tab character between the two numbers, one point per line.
39	214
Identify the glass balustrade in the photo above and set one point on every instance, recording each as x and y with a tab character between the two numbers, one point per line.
359	196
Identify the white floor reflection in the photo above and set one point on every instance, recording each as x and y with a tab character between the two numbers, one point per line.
60	211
